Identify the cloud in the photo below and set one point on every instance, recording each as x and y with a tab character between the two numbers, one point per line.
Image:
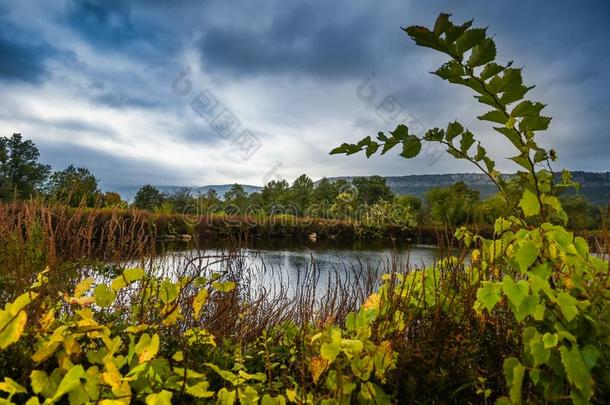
93	79
21	59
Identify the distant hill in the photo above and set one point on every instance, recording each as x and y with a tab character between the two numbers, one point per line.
594	186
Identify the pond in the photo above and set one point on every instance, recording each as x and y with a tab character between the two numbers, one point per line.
288	267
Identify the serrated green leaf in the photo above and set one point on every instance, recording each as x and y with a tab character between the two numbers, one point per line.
527	109
453	129
490	70
576	370
435	134
410	147
466	141
483	53
469	39
494	116
534	123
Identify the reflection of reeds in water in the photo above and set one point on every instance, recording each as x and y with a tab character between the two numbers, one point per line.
266	295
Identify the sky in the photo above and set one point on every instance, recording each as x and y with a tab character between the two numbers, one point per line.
216	91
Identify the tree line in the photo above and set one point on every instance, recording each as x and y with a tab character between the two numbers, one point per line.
22	177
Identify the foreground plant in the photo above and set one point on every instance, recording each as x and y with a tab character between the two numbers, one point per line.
555	288
138	337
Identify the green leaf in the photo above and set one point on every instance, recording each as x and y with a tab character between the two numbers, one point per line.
70	382
104	295
494	116
162	398
527	109
226	397
469	39
483	53
590	354
168	291
424	37
516	292
410	147
453	129
567	304
200	390
451	70
550	340
329	351
576	370
513	373
528	307
490	70
435	134
442	23
225	286
466	141
489	294
534	124
538	350
526	255
529	204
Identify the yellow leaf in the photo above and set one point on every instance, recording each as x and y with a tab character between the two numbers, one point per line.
9	385
83	287
11	327
317	365
199	301
372	302
162	398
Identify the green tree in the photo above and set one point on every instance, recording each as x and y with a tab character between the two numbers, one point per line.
275	196
236	199
581	213
113	199
301	193
453	205
148	198
181	201
74	186
372	189
21	175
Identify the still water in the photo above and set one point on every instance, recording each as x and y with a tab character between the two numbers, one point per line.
290	267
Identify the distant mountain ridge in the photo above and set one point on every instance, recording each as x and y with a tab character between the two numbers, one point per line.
594	186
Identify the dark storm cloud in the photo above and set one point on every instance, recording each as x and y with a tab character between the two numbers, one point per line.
104	22
324	40
22	58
